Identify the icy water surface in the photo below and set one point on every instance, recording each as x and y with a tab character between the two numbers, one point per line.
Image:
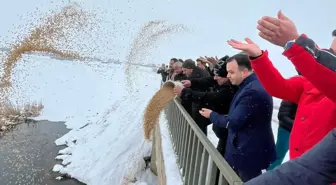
27	154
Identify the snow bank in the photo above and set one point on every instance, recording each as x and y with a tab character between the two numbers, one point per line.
106	144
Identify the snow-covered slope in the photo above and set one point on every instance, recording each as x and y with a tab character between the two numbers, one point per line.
106	142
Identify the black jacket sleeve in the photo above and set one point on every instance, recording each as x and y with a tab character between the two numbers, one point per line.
224	95
203	82
286	115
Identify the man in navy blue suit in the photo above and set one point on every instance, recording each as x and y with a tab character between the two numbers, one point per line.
250	145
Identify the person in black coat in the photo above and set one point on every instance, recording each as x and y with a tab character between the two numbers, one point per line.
286	116
219	99
193	72
163	71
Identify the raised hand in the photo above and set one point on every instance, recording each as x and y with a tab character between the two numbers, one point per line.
213	60
249	47
278	30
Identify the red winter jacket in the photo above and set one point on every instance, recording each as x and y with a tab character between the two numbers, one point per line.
316	114
317	65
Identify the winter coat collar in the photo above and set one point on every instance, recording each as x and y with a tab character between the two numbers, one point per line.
247	80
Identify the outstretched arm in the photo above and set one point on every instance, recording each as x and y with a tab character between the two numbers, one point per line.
275	84
318	66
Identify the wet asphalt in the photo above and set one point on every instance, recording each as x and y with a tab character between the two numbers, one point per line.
27	154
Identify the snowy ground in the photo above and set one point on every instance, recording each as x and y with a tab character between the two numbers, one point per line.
106	144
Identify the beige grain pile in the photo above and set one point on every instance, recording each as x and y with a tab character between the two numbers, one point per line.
157	103
53	33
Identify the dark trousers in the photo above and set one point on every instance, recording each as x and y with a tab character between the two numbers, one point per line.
246	175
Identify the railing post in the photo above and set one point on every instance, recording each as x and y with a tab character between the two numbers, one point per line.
153	154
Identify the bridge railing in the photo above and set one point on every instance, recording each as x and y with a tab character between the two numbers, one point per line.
197	157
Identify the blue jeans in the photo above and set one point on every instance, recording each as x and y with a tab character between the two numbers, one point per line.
282	146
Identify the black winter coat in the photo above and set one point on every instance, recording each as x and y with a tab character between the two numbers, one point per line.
180	77
196	74
286	115
163	73
218	100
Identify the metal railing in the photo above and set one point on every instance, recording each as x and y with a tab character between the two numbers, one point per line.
197	157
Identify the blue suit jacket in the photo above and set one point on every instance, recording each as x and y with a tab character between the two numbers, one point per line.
250	144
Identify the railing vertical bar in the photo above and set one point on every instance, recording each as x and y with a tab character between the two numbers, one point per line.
186	150
197	162
222	180
173	126
204	166
179	134
191	135
183	138
193	159
211	177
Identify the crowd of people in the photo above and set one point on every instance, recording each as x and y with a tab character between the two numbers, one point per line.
234	94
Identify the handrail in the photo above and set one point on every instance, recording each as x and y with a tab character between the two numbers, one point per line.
196	155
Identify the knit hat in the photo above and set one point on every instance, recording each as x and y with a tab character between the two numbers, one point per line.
189	64
220	69
224	58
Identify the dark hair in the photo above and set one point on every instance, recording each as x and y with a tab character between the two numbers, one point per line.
180	60
173	59
189	64
334	33
242	59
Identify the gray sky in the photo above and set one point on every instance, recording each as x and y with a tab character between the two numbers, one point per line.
213	22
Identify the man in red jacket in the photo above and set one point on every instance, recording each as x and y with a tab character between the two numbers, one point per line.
316	112
317	65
